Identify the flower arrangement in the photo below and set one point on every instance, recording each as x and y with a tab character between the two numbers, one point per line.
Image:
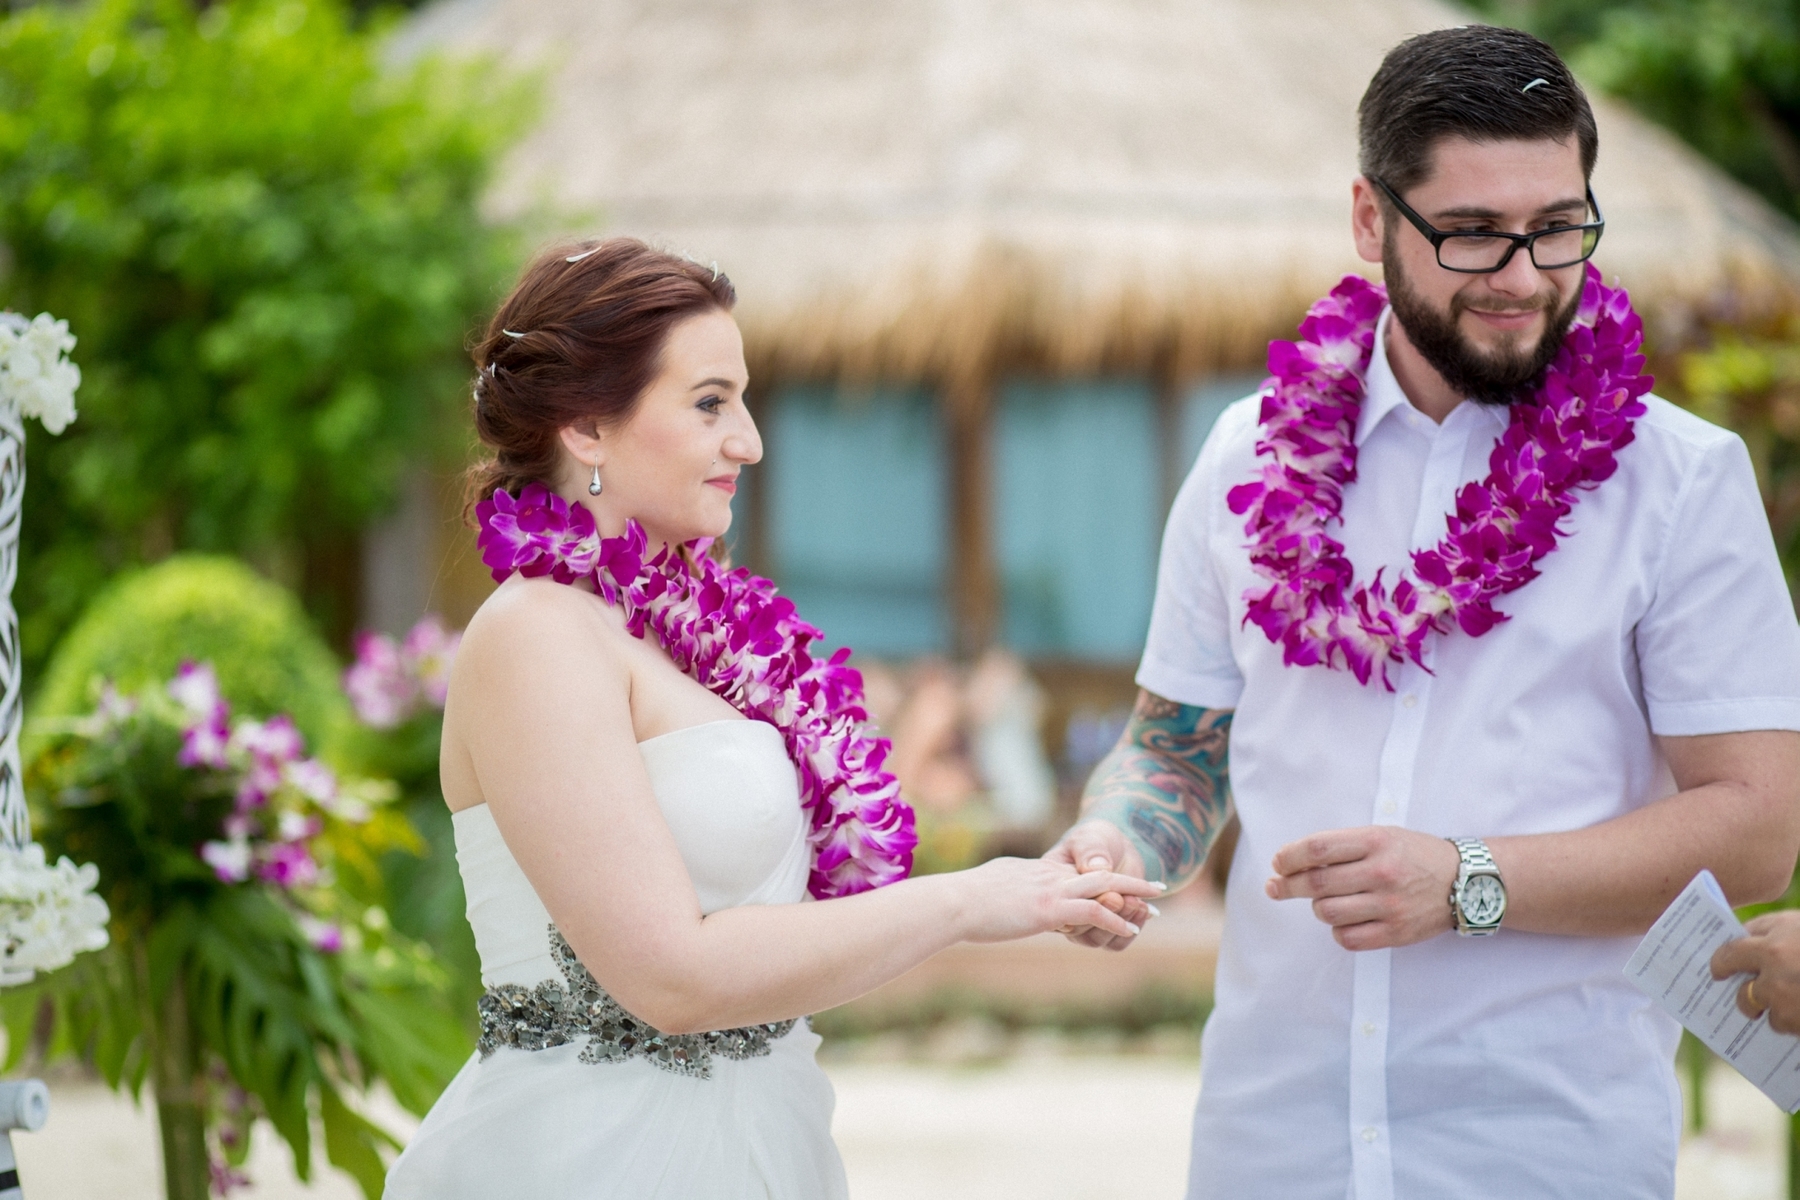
733	634
252	962
1562	442
36	377
48	914
281	799
390	682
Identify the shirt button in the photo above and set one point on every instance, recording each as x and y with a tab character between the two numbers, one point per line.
1409	700
1388	808
1368	1133
1368	1029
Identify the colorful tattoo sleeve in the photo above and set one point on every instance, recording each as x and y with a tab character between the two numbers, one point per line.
1167	784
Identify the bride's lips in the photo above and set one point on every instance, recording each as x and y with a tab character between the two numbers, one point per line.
725	483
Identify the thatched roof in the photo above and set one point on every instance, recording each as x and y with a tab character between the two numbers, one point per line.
930	189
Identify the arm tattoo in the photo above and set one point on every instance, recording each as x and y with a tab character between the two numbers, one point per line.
1167	784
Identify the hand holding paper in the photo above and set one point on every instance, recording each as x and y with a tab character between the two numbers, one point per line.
1770	955
1673	965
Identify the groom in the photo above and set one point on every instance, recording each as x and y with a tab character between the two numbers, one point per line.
1626	722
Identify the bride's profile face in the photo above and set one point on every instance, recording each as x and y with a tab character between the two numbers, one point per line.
673	464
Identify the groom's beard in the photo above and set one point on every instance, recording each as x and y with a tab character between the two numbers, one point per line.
1487	377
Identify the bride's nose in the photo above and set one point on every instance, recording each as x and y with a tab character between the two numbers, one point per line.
743	444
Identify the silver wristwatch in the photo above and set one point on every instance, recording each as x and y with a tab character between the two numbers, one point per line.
1478	897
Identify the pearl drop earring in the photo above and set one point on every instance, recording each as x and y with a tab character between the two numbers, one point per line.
594	485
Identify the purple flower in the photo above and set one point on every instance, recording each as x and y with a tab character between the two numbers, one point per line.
207	733
196	689
287	865
380	688
388	681
225	1177
204	743
428	651
278	740
324	936
316	781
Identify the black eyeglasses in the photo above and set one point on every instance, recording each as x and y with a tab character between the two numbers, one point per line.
1482	252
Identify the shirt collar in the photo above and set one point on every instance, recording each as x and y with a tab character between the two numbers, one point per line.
1381	391
1382	394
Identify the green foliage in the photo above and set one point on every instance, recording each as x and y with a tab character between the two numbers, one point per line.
229	975
203	608
425	888
1749	381
1724	74
269	246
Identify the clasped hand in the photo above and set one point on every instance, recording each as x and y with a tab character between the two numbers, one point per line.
1376	886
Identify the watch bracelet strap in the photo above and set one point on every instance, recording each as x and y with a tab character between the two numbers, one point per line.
1475	856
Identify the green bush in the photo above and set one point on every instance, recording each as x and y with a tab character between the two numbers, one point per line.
268	657
269	244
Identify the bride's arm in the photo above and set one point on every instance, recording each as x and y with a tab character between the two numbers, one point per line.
540	703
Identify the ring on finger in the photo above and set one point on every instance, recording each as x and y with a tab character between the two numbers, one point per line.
1750	995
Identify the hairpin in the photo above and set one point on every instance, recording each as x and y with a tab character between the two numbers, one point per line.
715	268
1532	84
579	257
509	333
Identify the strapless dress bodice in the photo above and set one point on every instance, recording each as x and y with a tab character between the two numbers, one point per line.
728	792
575	1109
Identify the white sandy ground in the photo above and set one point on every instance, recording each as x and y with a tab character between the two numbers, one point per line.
972	1117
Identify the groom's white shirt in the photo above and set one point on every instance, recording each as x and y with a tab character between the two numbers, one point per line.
1513	1065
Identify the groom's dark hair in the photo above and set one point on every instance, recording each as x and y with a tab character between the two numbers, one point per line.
1479	82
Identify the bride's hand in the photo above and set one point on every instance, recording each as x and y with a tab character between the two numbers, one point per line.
1007	898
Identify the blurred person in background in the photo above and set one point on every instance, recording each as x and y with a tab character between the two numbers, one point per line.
629	829
1549	673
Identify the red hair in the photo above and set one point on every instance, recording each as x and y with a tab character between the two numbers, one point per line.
576	343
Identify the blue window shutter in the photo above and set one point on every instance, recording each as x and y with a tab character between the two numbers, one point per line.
1076	514
856	517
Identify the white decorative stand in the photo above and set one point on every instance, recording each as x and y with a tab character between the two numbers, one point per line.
36	380
15	820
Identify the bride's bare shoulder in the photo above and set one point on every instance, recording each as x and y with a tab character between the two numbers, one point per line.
540	624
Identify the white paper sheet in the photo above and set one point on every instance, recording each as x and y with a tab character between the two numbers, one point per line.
1671	966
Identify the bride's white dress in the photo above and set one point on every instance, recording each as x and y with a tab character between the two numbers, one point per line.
616	1110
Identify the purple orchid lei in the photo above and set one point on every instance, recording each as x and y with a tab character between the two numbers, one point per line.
1563	442
733	634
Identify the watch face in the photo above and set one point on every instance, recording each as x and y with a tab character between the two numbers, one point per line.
1483	900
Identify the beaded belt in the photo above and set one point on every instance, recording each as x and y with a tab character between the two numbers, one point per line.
554	1014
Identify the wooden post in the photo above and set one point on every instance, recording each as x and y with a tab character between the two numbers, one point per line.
974	577
175	1079
1170	466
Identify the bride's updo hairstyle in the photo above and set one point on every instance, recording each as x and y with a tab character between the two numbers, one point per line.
577	342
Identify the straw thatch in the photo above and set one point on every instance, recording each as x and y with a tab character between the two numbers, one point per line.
940	190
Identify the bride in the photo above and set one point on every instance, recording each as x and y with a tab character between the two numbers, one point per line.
636	851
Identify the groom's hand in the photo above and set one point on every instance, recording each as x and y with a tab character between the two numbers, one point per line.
1376	886
1102	846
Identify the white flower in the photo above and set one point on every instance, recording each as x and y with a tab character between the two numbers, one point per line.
230	860
35	374
48	914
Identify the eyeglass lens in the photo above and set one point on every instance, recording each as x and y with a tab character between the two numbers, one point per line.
1552	249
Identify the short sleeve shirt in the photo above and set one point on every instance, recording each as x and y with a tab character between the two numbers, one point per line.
1520	1064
